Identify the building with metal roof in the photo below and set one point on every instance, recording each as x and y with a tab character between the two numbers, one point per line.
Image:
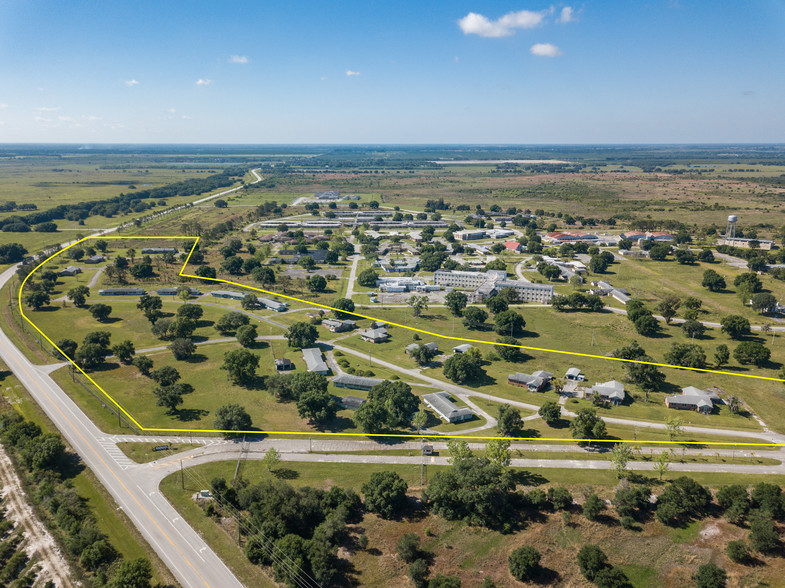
355	382
314	362
442	404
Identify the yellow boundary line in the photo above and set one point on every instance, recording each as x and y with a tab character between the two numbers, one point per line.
391	435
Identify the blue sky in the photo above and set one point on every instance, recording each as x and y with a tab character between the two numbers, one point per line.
392	72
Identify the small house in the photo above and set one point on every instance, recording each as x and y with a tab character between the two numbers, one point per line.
121	292
693	398
379	335
433	347
530	381
284	364
350	402
338	326
95	259
575	374
461	348
611	391
71	270
158	250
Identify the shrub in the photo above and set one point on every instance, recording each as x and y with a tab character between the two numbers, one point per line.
524	563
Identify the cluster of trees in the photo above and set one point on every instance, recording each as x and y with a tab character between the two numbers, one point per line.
12	253
390	405
465	367
44	461
642	318
296	532
577	301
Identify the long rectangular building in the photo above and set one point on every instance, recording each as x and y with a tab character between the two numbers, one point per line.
487	283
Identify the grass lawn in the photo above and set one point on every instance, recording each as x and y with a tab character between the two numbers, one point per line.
143	452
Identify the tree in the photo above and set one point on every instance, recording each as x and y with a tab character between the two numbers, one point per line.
721	355
684	256
598	264
307	262
230	322
79	295
316	405
419	420
550	411
456	301
693	303
736	326
593	507
674	427
682	499
182	348
263	275
763	302
249	302
662	462
169	396
233	265
591	559
271	459
124	351
463	367
498	452
422	354
90	355
587	425
418	304
710	576
713	281
509	323
474	317
67	348
611	578
507	348
397	399
509	422
144	364
190	311
440	581
36	299
206	272
151	307
367	278
288	569
767	498
232	417
418	572
385	494
135	573
316	283
246	335
473	490
496	304
524	563
301	335
647	326
668	307
659	252
693	328
752	352
687	355
100	311
343	308
240	365
371	417
749	282
763	535
166	375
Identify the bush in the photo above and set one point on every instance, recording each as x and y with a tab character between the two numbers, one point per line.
737	552
524	563
408	547
627	522
591	559
418	570
710	576
593	507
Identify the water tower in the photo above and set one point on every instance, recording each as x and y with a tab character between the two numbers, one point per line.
730	232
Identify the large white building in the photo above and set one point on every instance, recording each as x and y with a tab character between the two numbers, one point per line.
485	284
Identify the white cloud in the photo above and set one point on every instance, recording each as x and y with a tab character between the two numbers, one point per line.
545	50
456	59
351	73
171	110
131	83
93	117
477	24
203	82
567	15
185	117
323	78
2	123
42	119
3	106
242	59
48	108
65	118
